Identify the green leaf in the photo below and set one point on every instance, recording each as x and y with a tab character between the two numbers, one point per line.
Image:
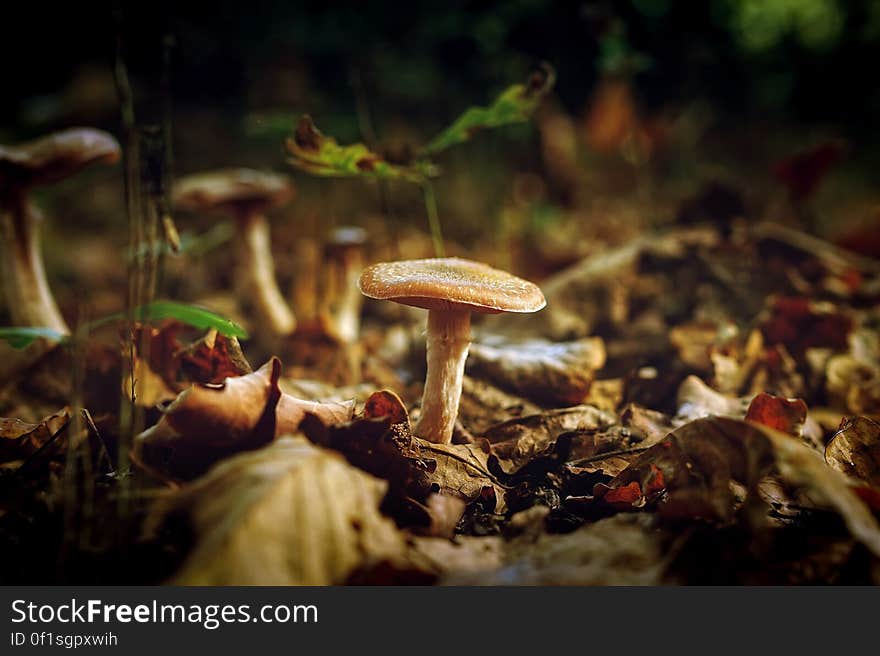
19	338
191	315
516	104
313	152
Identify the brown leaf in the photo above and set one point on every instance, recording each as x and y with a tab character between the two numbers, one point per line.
853	385
696	400
213	358
700	460
551	372
19	439
289	514
414	468
518	441
385	404
855	450
784	415
483	405
799	323
206	423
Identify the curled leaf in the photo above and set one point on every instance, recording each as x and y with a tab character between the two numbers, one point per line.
206	423
784	415
515	104
313	152
385	404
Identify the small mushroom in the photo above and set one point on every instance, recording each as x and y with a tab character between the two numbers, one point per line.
246	194
23	166
450	289
343	256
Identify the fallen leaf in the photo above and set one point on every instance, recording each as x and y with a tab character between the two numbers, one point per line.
519	441
855	450
213	358
853	385
207	423
696	399
20	439
385	404
483	405
415	468
288	514
784	415
550	372
800	323
699	460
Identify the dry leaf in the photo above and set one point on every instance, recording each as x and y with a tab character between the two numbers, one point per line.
696	399
550	372
784	415
518	441
852	385
20	439
483	405
699	460
206	423
288	514
414	468
855	450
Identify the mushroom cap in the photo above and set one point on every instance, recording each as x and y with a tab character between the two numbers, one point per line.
450	284
56	155
348	236
233	190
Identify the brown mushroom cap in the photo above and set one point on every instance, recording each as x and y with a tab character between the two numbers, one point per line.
56	156
232	189
450	283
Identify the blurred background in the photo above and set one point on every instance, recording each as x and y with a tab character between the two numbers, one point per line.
663	113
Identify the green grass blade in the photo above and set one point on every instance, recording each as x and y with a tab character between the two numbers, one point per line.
192	315
19	338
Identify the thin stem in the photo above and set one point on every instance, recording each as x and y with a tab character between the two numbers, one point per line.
448	341
256	276
131	158
433	218
28	295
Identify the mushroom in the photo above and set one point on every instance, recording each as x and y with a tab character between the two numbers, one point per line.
23	166
246	194
343	263
450	289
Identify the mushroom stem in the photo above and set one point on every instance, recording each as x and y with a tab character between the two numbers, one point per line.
29	298
256	276
346	312
448	340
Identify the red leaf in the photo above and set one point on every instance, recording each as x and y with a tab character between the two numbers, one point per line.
779	413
